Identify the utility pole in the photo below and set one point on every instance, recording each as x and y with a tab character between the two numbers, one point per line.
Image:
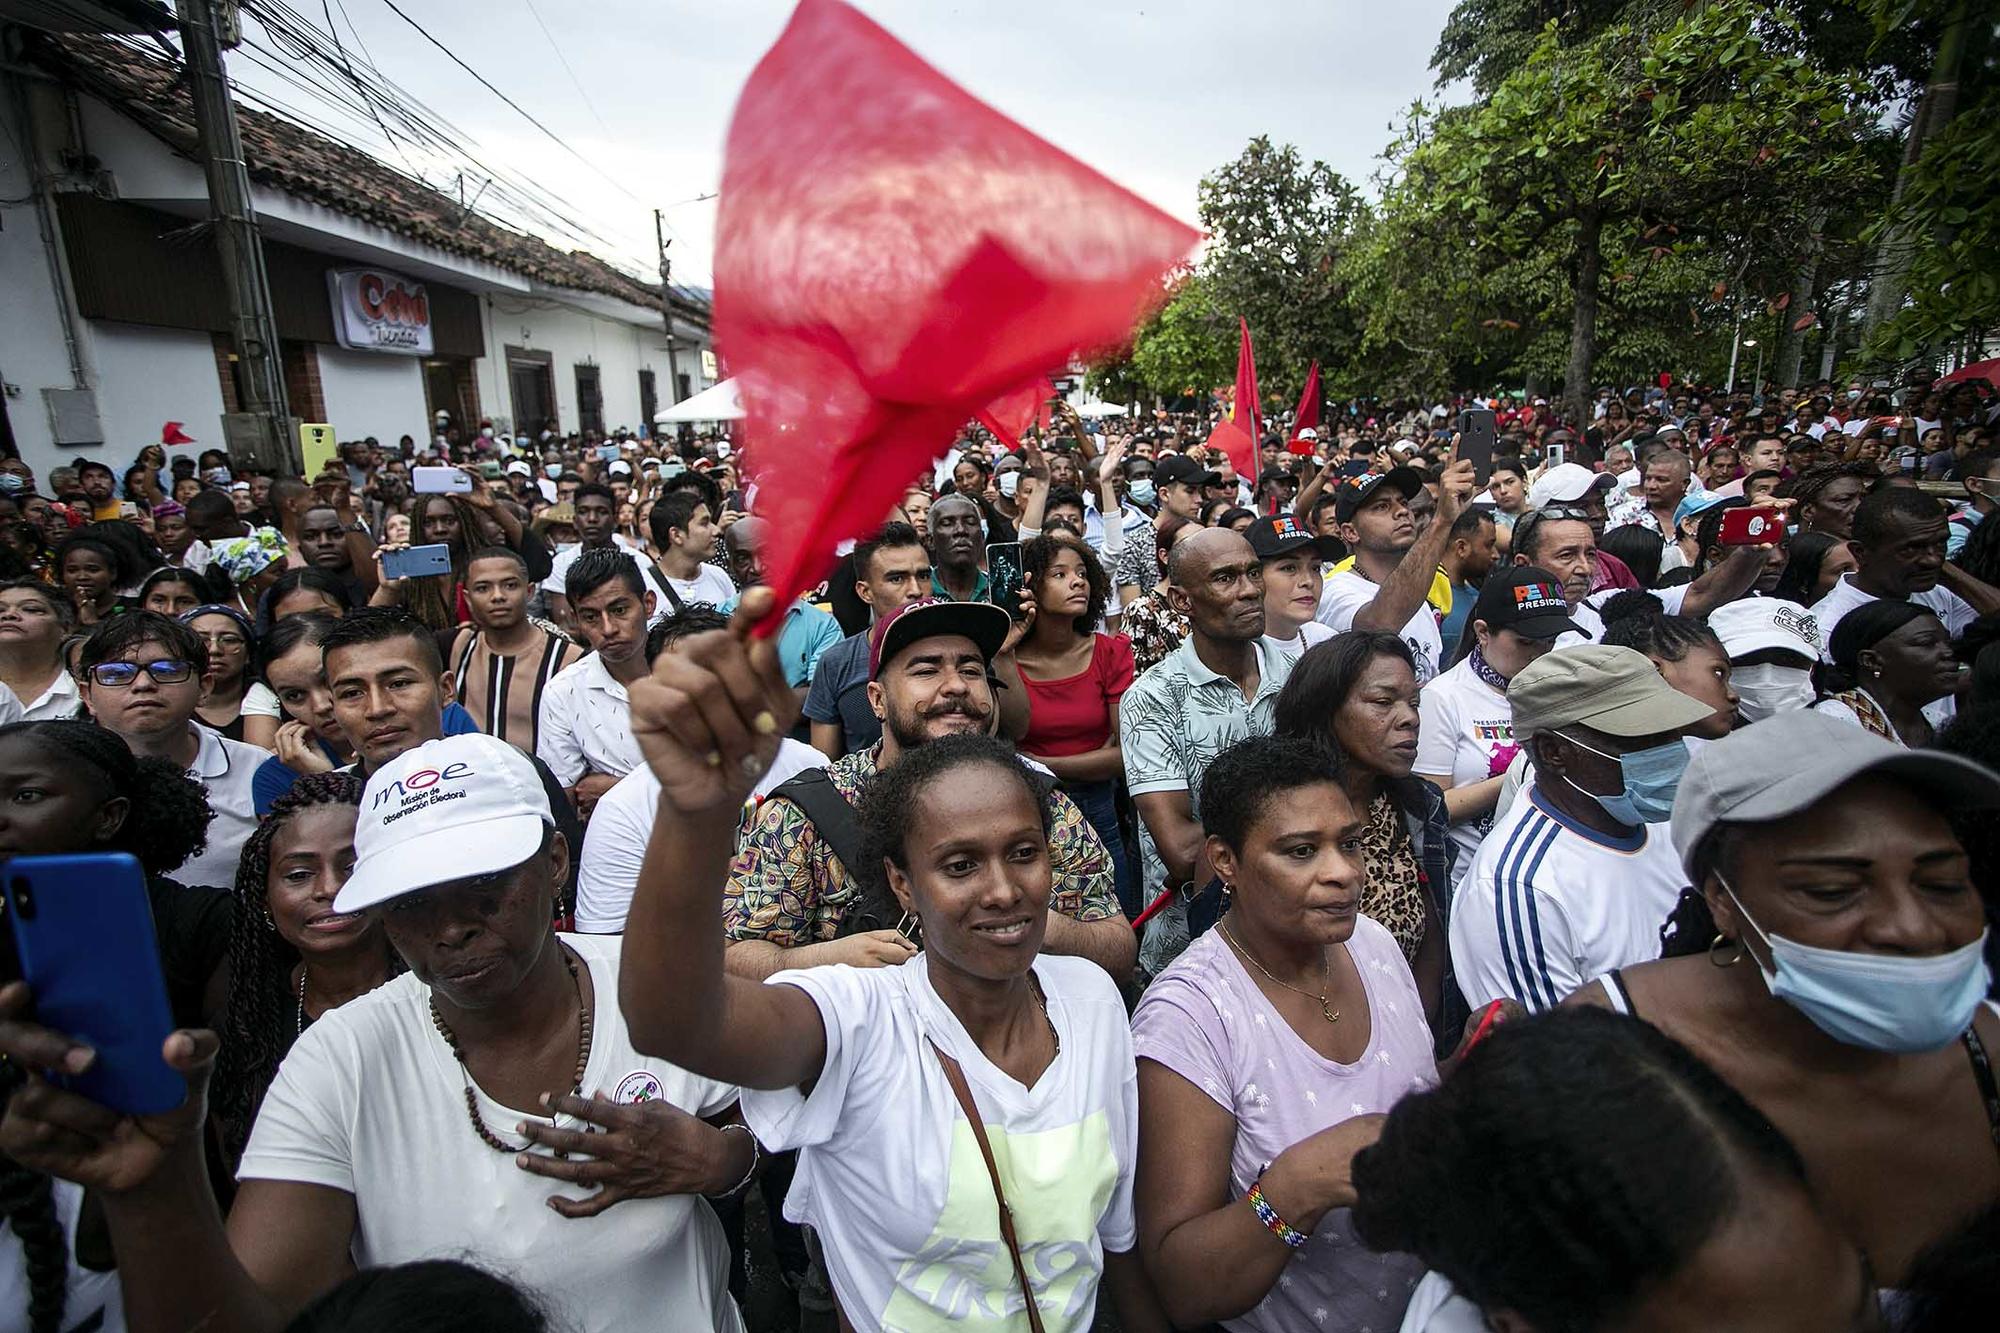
667	305
261	385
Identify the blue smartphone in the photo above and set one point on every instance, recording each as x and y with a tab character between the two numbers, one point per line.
83	931
416	562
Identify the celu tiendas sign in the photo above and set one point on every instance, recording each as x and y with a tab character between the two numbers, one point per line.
378	311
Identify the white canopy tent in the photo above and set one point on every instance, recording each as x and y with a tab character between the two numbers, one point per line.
1101	410
718	402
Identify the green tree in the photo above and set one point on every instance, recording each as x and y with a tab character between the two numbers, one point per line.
1636	157
1187	347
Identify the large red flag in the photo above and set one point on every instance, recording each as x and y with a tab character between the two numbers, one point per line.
1308	413
893	255
1241	443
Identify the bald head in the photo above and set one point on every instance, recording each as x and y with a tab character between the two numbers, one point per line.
1218	583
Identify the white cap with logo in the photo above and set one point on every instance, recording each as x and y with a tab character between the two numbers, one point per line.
450	809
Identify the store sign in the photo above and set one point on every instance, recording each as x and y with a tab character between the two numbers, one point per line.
378	311
708	366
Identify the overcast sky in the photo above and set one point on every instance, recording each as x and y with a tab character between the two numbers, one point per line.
1154	93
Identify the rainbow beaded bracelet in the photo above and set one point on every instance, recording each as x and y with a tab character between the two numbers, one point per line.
1268	1215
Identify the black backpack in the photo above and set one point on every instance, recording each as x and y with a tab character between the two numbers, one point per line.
838	825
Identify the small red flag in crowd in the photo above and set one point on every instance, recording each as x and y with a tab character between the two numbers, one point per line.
1010	415
1308	413
892	257
1237	435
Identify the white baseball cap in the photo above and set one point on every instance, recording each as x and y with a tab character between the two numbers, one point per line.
1755	624
1566	483
450	809
620	468
520	468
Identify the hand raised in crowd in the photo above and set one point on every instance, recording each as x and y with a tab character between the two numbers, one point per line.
481	495
645	1150
1113	456
1456	484
1023	624
71	1137
710	715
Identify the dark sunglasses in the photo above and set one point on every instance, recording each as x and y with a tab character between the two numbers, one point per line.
117	675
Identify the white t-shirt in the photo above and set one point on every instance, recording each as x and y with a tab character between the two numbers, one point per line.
1466	736
558	580
709	585
1436	1307
1585	615
1956	613
614	844
224	768
890	1175
260	701
1310	634
371	1102
1549	905
59	701
586	724
1347	592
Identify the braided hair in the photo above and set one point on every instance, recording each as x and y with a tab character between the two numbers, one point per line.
1613	1152
1638	620
258	1022
167	823
28	1203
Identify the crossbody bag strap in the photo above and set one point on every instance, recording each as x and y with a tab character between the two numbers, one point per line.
959	1089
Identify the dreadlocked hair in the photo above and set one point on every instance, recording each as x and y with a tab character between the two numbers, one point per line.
1637	620
1614	1153
1810	484
259	1021
28	1203
167	822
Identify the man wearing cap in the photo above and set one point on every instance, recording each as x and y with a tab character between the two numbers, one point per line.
1579	874
1292	582
1220	685
1571	485
1466	741
1772	646
487	1104
792	900
1393	567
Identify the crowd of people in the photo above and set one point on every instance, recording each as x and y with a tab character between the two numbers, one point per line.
1366	886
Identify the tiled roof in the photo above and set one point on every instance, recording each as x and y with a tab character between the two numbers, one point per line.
289	157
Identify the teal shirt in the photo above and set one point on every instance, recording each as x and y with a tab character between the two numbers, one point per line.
981	590
805	636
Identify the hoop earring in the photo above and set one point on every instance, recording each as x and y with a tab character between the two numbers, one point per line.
1714	951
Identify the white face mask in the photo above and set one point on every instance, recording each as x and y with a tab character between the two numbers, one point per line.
1765	688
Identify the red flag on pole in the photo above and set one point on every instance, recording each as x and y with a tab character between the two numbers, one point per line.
892	256
1308	413
1240	443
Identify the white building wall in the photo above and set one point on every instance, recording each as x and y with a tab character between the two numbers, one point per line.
147	377
32	357
574	337
372	393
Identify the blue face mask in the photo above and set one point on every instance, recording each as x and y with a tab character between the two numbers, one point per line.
1882	1002
1652	776
1143	492
11	484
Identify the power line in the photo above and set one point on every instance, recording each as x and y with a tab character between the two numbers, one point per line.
525	115
580	89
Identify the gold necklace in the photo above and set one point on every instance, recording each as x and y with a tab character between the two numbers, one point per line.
1326	1009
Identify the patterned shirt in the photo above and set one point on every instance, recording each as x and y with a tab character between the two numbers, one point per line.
787	887
1138	563
1154	628
1393	894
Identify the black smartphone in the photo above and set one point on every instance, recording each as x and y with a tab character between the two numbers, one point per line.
1004	577
83	929
1475	442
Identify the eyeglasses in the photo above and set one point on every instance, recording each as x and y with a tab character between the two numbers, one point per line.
224	639
1573	513
117	675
